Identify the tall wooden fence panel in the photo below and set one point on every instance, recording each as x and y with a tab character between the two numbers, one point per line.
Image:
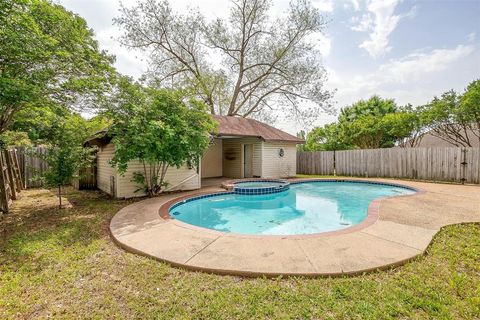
10	180
31	165
436	164
320	162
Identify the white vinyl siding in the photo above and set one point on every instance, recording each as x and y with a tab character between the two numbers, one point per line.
183	178
233	153
104	170
275	166
212	160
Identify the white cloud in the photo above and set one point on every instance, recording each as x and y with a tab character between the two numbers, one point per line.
416	65
323	5
471	37
384	22
406	79
356	5
380	21
323	43
363	23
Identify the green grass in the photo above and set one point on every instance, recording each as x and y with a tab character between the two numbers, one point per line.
63	264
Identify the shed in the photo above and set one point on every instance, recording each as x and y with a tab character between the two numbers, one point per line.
241	148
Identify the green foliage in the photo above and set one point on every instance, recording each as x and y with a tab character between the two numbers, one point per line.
372	123
366	124
470	104
327	138
15	138
363	126
375	106
302	135
406	126
66	155
455	117
39	122
48	56
160	128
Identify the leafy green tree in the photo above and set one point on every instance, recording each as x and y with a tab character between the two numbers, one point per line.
266	63
365	124
375	106
48	56
302	135
15	138
362	123
455	117
368	132
405	126
327	138
160	128
470	108
66	155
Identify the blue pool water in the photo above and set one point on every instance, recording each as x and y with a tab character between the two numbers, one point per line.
258	184
305	208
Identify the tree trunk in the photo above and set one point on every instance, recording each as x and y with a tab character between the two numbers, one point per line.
60	196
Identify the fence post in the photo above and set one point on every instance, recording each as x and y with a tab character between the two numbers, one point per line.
11	175
464	165
16	168
334	163
4	195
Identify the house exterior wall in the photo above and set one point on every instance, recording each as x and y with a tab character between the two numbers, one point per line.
274	166
104	170
212	160
233	157
430	141
183	178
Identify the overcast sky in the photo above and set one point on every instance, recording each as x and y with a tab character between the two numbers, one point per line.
405	50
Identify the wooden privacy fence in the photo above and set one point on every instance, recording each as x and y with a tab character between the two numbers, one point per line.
32	165
10	179
435	164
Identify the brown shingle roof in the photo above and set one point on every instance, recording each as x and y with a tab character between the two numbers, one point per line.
238	126
228	126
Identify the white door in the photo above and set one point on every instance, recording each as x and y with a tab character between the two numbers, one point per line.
248	160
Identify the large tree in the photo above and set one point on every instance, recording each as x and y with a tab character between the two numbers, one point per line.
362	123
66	155
406	126
160	128
454	117
247	65
47	55
330	137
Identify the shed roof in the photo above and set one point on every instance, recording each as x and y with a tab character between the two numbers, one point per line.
228	127
244	127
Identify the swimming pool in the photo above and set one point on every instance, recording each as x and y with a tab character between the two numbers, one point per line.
305	208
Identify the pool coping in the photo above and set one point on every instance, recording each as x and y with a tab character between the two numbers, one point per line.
403	229
370	219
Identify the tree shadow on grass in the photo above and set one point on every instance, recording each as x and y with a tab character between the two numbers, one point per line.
36	225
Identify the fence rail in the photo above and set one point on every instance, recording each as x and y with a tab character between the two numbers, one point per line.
436	164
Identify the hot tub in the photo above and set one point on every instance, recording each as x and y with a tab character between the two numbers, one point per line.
260	186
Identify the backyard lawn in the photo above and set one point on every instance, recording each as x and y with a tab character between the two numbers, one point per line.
63	264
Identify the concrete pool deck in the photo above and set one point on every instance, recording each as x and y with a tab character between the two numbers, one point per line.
400	229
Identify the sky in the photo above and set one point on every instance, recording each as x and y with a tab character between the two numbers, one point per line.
406	50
